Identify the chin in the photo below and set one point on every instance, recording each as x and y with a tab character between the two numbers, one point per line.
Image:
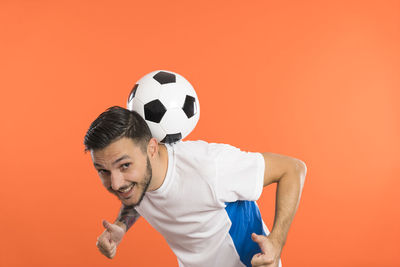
129	202
132	201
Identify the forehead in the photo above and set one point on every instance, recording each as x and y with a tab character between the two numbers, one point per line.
121	147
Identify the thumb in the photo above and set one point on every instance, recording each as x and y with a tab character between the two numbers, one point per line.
113	232
256	238
259	239
107	225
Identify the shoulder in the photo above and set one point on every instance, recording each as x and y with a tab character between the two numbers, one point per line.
199	153
200	147
190	144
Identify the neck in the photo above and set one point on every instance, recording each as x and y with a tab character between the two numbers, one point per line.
159	167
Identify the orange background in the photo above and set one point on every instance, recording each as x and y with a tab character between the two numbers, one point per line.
315	80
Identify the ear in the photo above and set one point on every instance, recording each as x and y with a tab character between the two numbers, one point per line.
152	148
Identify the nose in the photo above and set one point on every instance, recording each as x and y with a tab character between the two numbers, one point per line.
117	180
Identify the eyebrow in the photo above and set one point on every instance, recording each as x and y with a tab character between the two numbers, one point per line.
115	162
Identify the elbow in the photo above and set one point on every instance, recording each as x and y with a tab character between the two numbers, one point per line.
301	168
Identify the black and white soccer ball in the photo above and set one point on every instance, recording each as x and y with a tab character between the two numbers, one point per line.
168	103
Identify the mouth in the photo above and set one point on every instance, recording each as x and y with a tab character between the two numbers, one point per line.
127	191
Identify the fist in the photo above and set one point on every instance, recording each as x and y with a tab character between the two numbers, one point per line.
270	252
108	241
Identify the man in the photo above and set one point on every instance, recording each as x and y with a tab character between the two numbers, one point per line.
199	196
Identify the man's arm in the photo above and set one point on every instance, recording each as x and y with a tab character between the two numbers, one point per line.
127	217
289	174
108	241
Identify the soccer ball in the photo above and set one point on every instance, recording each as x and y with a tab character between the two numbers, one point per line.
168	103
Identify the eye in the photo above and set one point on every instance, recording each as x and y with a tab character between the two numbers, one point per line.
125	166
102	172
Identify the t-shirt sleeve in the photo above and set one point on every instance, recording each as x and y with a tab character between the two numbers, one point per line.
239	174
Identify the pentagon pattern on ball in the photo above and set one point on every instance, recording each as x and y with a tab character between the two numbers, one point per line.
164	77
189	107
167	102
133	92
154	111
172	138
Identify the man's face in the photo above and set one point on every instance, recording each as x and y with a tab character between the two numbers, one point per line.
124	170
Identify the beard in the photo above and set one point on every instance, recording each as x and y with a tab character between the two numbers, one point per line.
141	186
146	181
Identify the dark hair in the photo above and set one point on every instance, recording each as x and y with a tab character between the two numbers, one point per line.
114	123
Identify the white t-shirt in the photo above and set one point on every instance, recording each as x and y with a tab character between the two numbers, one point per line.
205	208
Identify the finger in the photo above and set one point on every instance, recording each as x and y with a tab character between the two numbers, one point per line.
113	252
107	249
261	259
105	235
108	253
104	243
264	265
102	250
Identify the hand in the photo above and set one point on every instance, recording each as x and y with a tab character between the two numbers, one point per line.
108	241
270	252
